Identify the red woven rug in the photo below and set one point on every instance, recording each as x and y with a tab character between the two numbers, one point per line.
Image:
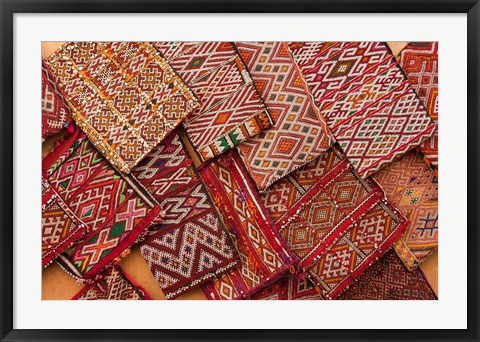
112	209
387	279
419	60
299	133
413	187
264	257
366	100
124	96
55	112
333	220
116	285
190	244
231	110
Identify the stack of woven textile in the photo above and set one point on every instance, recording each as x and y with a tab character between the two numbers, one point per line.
240	170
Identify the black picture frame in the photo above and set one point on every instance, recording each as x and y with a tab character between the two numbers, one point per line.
9	8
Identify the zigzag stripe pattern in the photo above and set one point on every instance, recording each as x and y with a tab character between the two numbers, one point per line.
207	253
228	100
299	133
263	257
190	227
366	100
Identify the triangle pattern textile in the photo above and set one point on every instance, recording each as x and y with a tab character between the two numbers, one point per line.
366	100
123	95
116	285
231	110
189	245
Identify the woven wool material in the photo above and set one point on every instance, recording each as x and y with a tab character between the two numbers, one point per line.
364	242
388	279
112	209
333	220
191	244
289	288
419	60
55	112
125	96
315	204
367	101
413	187
299	133
230	110
115	285
264	257
61	228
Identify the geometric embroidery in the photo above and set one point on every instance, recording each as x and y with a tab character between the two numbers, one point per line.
385	279
186	255
388	279
115	213
263	255
115	285
60	226
230	110
55	115
314	205
413	187
123	95
364	242
288	288
190	244
419	60
299	134
366	100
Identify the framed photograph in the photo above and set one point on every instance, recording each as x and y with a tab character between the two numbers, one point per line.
256	170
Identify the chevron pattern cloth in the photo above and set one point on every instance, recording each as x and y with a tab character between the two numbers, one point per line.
368	103
419	60
413	187
190	244
263	256
125	96
115	285
230	110
299	134
55	112
242	170
97	197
